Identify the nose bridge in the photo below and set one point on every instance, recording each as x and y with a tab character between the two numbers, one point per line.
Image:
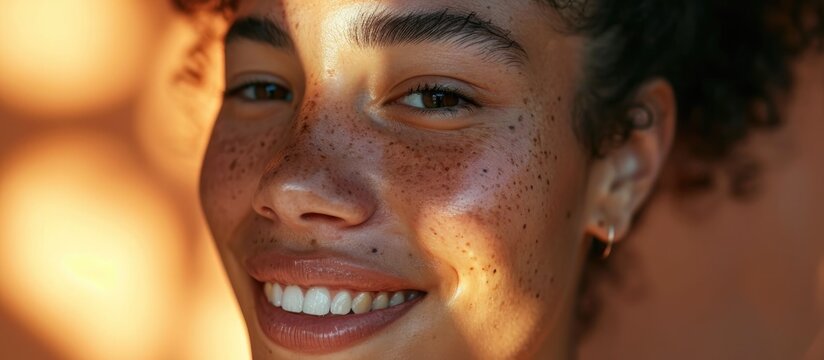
331	126
320	135
316	178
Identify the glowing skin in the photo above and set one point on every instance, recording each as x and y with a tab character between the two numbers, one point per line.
484	207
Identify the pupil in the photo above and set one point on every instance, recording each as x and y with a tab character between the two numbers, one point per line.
441	99
271	92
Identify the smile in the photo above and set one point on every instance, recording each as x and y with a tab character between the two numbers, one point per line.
323	305
320	301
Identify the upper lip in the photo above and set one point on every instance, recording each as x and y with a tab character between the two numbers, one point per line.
322	270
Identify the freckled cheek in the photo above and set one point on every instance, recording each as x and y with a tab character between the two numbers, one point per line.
488	208
232	168
497	242
486	182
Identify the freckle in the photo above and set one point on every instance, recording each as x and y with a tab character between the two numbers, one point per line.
526	101
511	127
520	118
524	227
313	242
494	271
568	214
537	295
233	164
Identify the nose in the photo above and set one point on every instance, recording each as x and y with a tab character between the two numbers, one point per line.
303	199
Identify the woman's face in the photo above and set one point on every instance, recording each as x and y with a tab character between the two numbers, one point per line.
420	155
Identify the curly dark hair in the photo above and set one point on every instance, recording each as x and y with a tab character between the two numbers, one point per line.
726	60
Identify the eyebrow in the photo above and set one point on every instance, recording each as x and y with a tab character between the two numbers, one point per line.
383	29
260	30
454	27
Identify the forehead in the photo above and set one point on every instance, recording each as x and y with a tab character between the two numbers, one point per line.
270	7
522	18
531	25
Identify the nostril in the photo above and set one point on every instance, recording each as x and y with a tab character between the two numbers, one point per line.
267	212
313	217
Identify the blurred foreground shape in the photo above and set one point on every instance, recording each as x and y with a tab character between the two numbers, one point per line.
102	248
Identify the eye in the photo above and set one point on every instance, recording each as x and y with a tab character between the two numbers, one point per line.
260	91
434	98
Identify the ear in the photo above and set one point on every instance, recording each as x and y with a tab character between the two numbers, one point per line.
621	181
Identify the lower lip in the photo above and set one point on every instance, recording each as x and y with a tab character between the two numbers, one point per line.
323	334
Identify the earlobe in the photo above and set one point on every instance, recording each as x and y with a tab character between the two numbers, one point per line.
624	178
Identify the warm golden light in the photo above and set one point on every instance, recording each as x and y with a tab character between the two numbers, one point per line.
64	58
215	329
91	253
102	249
174	118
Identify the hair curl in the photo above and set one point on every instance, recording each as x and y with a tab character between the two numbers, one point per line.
726	60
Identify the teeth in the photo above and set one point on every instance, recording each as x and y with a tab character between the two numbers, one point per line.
381	301
293	299
277	295
362	303
274	293
396	299
319	301
342	303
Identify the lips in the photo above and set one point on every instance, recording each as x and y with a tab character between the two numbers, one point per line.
325	304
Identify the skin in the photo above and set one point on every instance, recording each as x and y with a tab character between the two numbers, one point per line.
490	211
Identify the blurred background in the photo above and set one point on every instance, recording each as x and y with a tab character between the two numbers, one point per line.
104	254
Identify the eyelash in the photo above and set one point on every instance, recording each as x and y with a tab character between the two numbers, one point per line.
469	103
237	91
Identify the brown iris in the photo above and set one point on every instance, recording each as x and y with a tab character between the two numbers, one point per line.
439	99
270	92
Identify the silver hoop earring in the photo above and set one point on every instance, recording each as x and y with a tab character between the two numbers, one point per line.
610	240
